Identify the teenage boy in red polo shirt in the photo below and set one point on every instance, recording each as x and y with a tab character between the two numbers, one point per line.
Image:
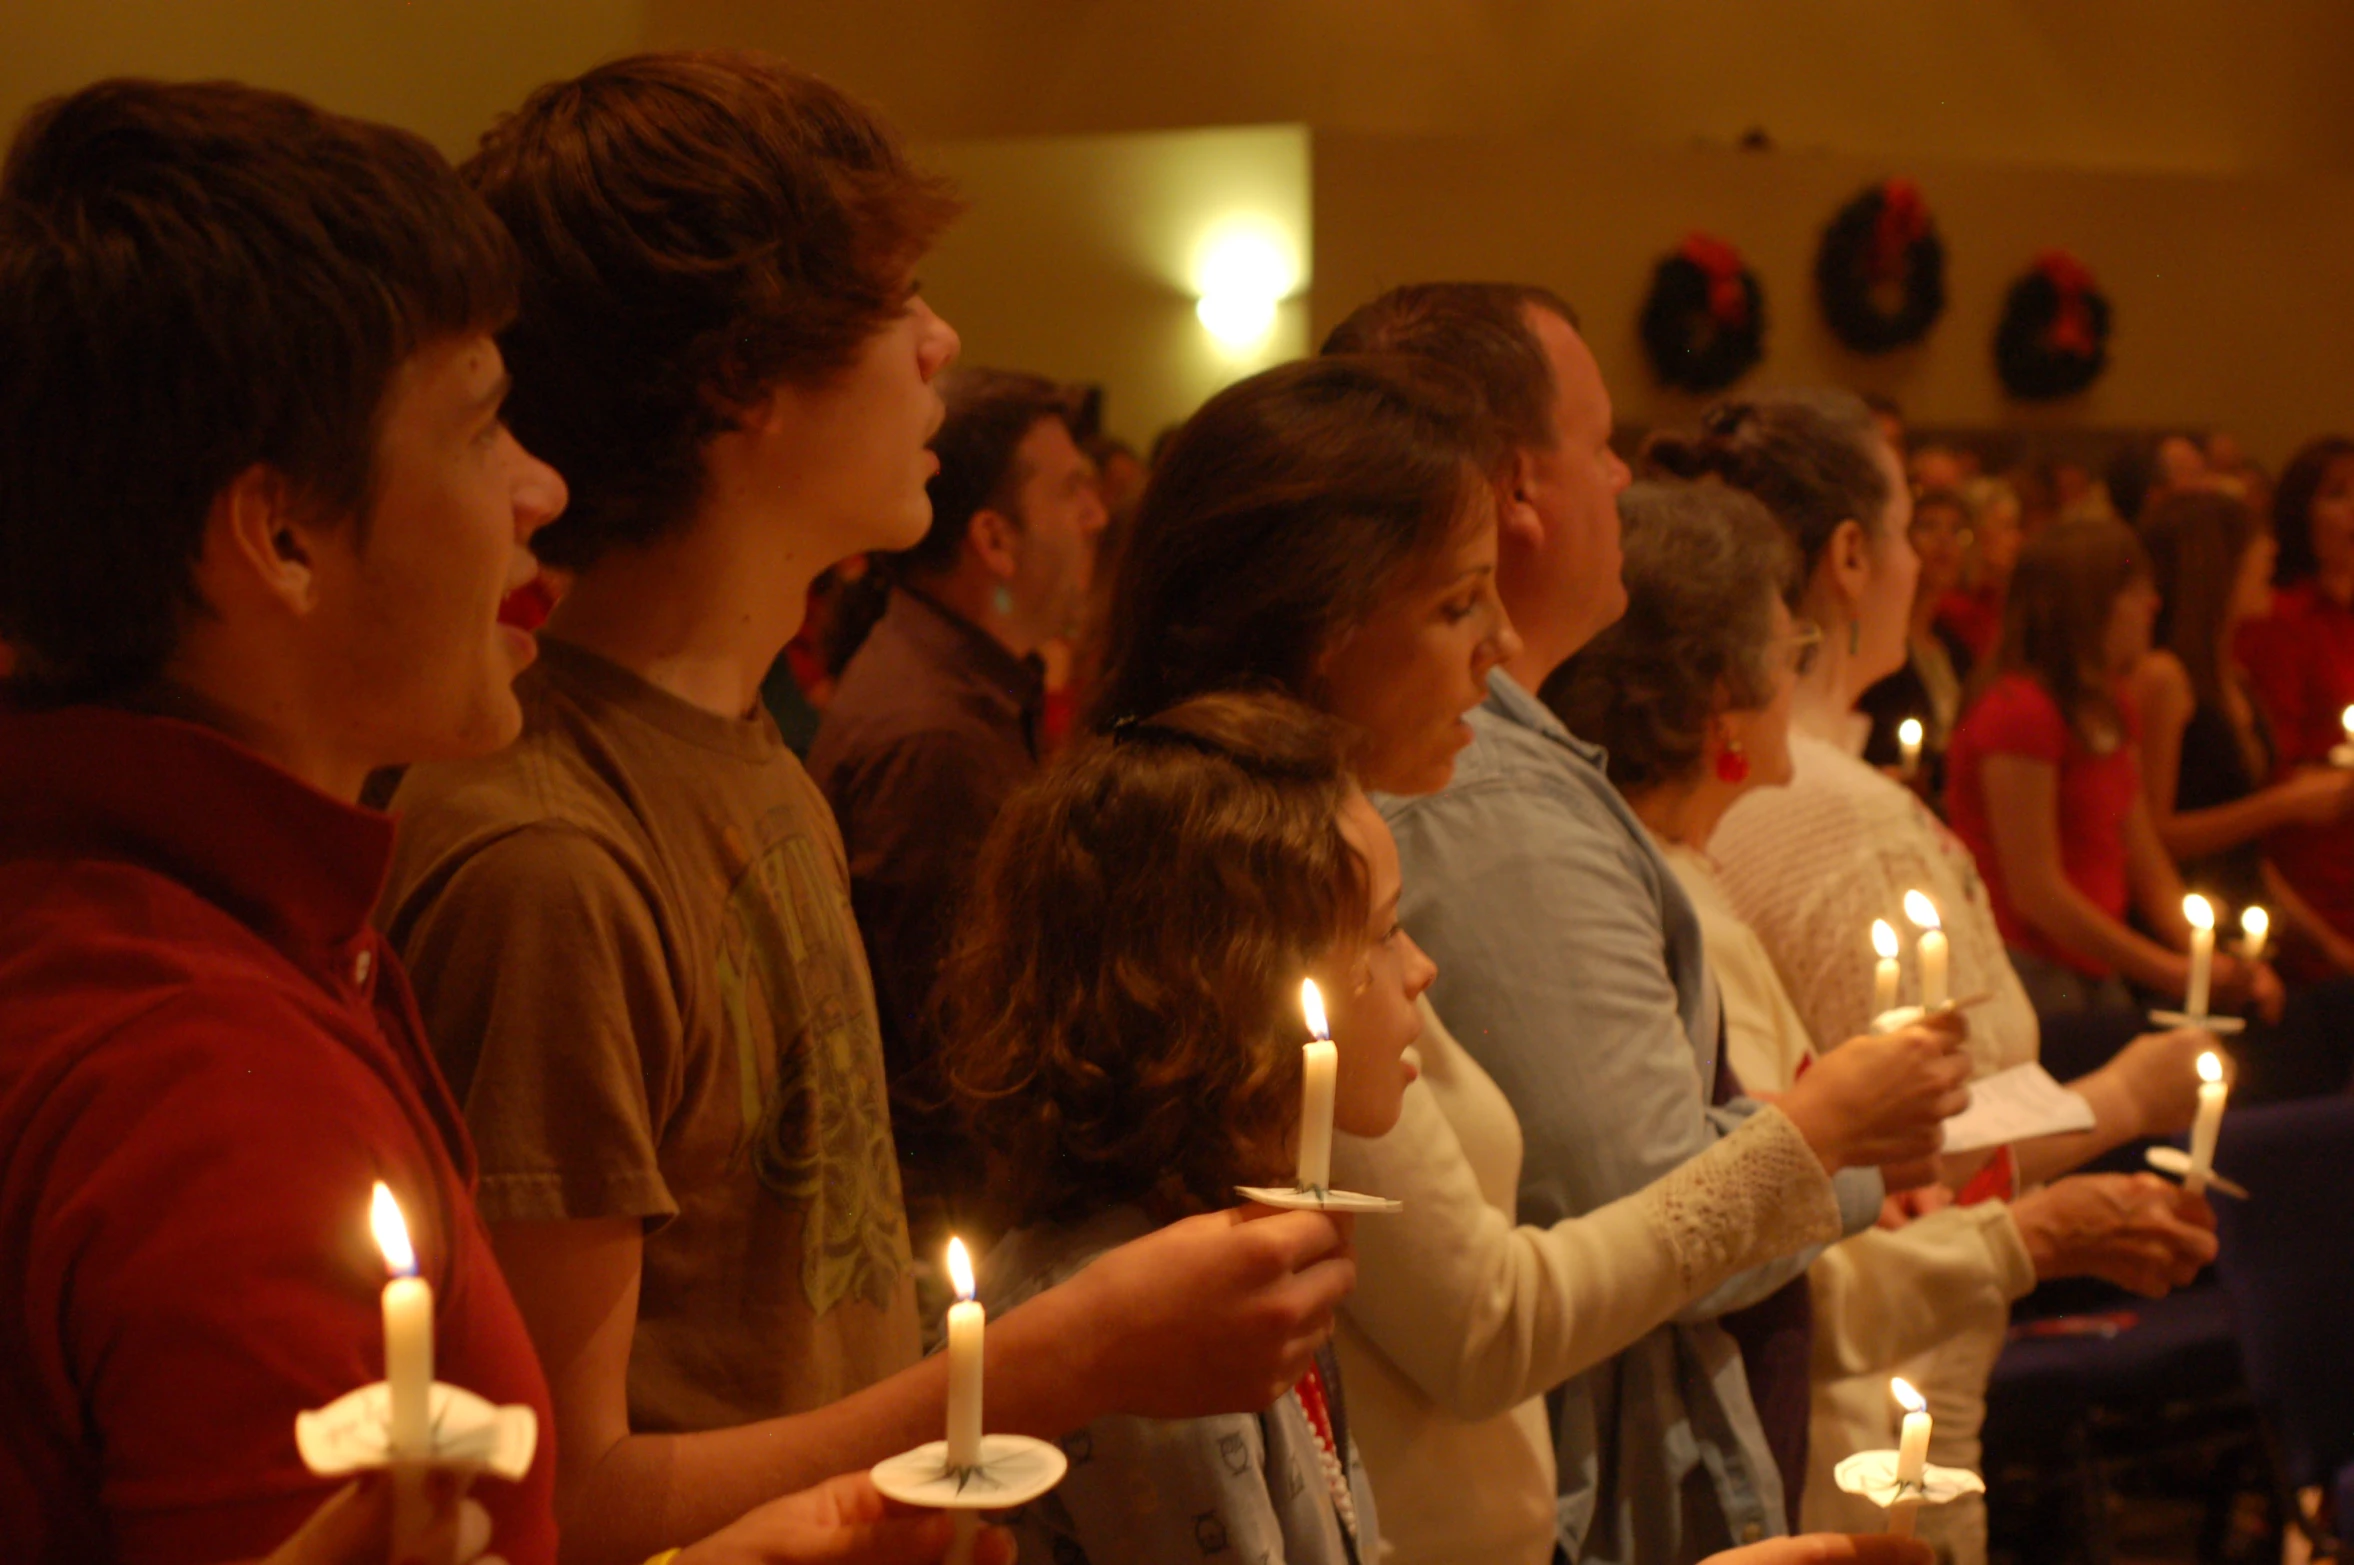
632	930
257	511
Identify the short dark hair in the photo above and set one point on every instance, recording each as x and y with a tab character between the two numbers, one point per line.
1808	455
2292	506
696	230
195	279
1703	564
1276	519
1479	330
990	413
1120	1011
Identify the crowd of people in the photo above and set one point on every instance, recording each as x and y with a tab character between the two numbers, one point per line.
1573	783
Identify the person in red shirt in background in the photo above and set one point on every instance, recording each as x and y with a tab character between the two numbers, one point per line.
2045	787
2300	665
258	509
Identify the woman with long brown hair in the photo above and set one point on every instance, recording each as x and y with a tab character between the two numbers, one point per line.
2207	750
2046	790
1329	529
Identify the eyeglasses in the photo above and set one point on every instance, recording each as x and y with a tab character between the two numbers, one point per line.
1801	645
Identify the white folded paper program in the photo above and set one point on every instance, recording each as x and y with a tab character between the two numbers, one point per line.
2016	1105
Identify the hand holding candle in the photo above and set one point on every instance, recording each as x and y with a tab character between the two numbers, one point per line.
2207	1125
2195	908
1909	735
1885	973
1932	949
1912	1457
1320	1066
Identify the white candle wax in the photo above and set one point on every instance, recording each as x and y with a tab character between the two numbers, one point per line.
1912	1456
408	1335
1885	975
1319	1064
966	1323
1319	1069
1932	951
1908	743
2255	929
2195	908
2207	1125
408	1372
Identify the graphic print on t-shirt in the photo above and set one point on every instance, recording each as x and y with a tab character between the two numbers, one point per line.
816	1125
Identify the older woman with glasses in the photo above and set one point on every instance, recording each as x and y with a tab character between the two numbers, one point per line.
1691	694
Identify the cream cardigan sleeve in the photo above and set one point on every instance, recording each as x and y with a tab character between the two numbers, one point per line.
1481	1314
1889	1295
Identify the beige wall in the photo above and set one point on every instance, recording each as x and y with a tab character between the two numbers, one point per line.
1076	256
2197	152
2179	84
2229	296
443	68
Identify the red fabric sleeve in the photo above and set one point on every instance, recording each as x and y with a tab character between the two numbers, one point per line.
202	1261
2277	675
2016	717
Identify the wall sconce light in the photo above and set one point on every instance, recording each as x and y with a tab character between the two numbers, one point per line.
1242	274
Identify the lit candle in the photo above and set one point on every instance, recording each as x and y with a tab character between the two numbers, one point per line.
1931	950
1320	1065
408	1368
1912	1455
408	1333
2202	920
966	1320
1909	735
1884	976
2255	928
2212	1092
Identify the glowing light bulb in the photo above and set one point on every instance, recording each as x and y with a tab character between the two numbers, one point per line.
1243	274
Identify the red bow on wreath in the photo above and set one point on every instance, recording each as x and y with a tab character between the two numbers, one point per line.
1728	295
2071	328
1903	223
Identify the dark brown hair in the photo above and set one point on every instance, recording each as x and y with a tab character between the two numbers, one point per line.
1479	330
990	413
2196	540
1703	564
1811	456
1278	517
2292	506
2056	618
195	279
1120	1012
696	229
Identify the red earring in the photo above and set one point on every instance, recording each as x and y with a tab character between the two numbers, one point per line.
1732	766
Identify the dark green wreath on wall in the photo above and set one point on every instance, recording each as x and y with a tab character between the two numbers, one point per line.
2053	339
1703	324
1880	271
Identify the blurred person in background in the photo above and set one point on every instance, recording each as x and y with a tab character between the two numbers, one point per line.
1928	688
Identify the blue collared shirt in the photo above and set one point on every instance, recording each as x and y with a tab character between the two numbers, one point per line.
1570	965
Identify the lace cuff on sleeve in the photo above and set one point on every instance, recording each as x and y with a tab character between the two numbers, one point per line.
1757	1195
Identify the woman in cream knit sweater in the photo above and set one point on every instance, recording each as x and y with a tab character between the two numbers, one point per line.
1706	665
1250	532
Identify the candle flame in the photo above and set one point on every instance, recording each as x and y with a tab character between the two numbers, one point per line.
2346	720
2210	1067
1909	732
1312	1002
392	1232
1921	911
1903	1391
2199	911
2255	923
1883	938
960	1269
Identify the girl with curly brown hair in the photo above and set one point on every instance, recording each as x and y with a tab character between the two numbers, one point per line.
1123	1034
